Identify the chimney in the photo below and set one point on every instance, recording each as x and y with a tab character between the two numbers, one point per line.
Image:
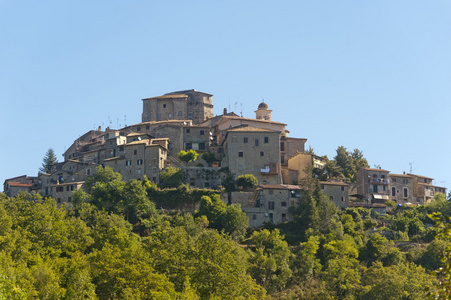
404	172
100	128
225	110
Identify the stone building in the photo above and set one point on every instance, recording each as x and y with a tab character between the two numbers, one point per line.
181	105
62	193
401	188
373	184
423	189
298	165
254	151
336	192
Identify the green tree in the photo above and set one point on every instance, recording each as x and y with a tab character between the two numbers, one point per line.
350	162
188	156
48	161
170	177
209	157
229	184
247	181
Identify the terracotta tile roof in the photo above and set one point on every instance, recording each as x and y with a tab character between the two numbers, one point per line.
18	184
373	169
114	158
399	175
167	97
145	141
279	187
249	119
251	129
414	175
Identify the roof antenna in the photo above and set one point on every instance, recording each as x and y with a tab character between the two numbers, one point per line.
411	167
229	105
125	120
241	112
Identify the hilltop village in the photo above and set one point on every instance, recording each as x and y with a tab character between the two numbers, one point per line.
260	146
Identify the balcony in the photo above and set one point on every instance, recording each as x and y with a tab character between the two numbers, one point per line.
380	181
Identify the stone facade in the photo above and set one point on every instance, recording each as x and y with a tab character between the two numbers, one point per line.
255	151
63	192
373	184
423	189
401	188
182	105
337	192
298	165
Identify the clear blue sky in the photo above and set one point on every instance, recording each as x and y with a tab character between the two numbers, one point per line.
372	75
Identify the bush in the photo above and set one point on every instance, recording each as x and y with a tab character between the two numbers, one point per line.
247	181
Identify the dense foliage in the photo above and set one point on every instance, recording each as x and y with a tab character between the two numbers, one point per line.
114	244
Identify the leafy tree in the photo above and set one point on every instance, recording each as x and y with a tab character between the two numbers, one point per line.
270	260
229	218
209	157
48	161
350	162
170	177
188	156
247	181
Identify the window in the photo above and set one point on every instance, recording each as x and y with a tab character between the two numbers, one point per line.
59	189
271	205
374	188
292	203
282	159
406	193
121	148
266	140
164	105
405	181
322	186
262	153
188	146
139	171
284	217
394	179
256	142
240	154
207	185
169	116
343	199
188	130
254	217
88	172
374	175
159	116
111	142
283	204
382	176
393	191
342	188
245	140
135	152
270	192
202	132
67	188
139	162
191	115
201	146
147	127
58	200
331	198
282	146
138	128
69	199
128	163
180	113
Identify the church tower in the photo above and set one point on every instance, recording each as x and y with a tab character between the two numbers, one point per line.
263	113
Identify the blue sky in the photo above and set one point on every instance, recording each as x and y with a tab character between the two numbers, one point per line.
372	75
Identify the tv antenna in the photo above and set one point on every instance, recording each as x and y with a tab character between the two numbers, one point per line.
411	167
125	120
241	112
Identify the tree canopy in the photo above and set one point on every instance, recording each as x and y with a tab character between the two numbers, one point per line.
48	161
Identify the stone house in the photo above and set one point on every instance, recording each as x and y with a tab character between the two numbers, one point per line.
423	189
401	188
254	151
24	183
373	184
298	165
62	193
181	105
336	192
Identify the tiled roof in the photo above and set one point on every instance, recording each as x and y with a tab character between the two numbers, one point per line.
68	183
372	169
145	141
254	120
251	129
18	184
414	175
399	175
167	97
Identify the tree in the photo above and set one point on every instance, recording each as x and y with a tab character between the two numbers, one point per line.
209	157
170	177
48	161
247	181
349	162
229	184
188	156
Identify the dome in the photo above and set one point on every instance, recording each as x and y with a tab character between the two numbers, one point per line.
263	106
